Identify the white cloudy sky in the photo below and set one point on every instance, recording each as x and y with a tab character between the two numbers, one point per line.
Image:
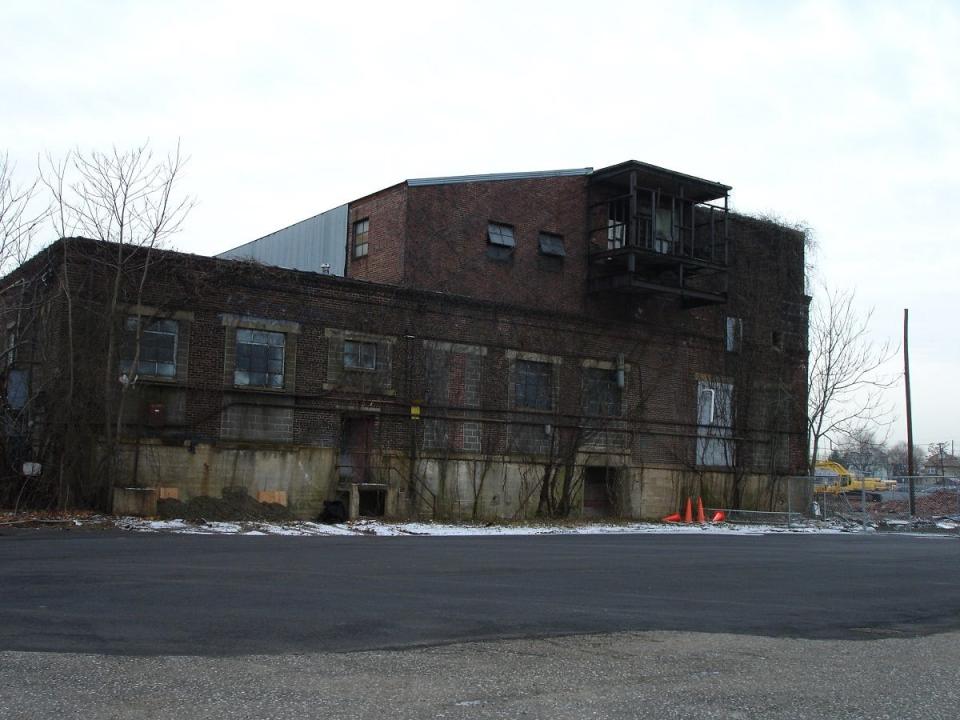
844	115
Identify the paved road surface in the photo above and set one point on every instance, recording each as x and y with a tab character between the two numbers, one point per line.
140	594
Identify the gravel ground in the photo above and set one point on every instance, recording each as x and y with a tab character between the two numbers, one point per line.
625	675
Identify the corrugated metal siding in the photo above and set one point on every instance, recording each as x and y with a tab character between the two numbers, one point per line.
305	245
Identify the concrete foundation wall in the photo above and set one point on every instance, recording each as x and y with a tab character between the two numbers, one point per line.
306	474
461	488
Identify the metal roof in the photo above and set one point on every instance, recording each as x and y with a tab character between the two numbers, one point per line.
307	245
672	181
491	177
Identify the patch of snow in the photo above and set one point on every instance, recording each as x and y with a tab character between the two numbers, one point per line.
396	529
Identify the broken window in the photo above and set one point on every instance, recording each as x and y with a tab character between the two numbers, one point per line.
359	355
663	242
361	230
552	244
157	354
500	234
734	334
533	385
601	392
617	214
259	358
715	424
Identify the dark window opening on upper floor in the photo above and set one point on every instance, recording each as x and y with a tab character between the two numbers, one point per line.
552	244
361	230
259	358
359	355
602	393
533	385
617	214
157	351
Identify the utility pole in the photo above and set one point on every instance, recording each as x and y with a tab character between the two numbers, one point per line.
906	379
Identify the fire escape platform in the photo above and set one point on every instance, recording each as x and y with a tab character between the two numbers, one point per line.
632	270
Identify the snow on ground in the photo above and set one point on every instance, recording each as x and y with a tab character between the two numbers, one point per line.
383	528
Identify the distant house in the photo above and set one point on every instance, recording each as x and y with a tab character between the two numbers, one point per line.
578	342
946	465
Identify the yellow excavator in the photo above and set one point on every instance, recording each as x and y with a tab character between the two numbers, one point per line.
837	480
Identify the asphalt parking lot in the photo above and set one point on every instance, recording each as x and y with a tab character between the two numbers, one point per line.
143	594
114	625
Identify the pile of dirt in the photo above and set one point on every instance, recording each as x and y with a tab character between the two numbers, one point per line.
233	505
936	504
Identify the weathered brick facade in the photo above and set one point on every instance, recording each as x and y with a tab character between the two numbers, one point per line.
407	377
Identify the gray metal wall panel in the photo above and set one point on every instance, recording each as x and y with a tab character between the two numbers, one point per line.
305	245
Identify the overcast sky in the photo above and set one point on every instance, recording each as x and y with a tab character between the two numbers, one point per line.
844	115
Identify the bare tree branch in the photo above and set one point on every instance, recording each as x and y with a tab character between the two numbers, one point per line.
846	379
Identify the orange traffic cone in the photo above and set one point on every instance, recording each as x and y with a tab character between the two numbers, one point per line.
688	512
719	516
672	518
700	517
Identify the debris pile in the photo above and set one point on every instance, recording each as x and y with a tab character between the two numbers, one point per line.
232	506
938	503
53	518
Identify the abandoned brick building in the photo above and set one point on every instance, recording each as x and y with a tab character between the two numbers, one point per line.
575	342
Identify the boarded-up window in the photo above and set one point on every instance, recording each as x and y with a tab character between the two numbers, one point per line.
601	392
533	385
452	383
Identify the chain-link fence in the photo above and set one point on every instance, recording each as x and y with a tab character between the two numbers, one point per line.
851	502
885	503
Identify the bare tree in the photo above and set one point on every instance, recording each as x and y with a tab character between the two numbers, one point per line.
861	451
127	199
19	217
77	316
846	380
897	458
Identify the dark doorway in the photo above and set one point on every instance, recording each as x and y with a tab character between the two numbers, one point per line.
373	502
599	492
356	442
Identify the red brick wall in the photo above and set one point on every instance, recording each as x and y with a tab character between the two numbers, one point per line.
447	240
666	347
386	211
